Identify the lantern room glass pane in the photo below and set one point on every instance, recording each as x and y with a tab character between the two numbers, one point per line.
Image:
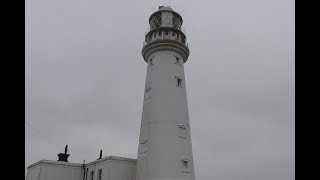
156	21
176	21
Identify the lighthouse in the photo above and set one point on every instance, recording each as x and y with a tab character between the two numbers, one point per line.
165	149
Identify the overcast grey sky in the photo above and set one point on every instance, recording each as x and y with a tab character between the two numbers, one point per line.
85	82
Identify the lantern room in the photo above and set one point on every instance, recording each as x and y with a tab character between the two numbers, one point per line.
165	24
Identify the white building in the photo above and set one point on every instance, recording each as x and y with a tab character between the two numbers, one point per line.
108	168
165	150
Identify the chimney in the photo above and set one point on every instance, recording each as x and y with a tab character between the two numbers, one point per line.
64	157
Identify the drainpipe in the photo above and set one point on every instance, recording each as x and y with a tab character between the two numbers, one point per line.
84	169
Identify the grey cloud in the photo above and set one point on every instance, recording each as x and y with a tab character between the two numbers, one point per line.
85	78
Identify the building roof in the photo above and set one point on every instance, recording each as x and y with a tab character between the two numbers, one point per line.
108	158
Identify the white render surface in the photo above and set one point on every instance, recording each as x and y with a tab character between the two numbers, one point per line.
54	170
165	144
113	168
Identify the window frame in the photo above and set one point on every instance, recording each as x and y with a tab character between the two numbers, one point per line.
99	177
150	61
147	89
179	81
185	163
87	171
91	175
178	60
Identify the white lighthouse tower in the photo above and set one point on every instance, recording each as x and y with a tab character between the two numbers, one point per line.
165	150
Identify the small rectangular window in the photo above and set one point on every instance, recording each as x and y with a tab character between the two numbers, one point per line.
179	81
166	33
154	35
182	131
100	174
182	126
147	97
160	33
173	34
150	61
177	60
91	175
87	173
185	164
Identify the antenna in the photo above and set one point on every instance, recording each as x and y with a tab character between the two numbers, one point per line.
66	149
100	156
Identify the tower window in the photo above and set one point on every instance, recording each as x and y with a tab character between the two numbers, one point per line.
185	164
179	81
150	61
100	174
177	60
148	89
182	126
182	131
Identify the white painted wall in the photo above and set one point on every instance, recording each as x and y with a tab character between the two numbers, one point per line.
165	107
54	170
113	168
122	171
33	173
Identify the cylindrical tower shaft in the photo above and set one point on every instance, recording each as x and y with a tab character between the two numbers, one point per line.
165	150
